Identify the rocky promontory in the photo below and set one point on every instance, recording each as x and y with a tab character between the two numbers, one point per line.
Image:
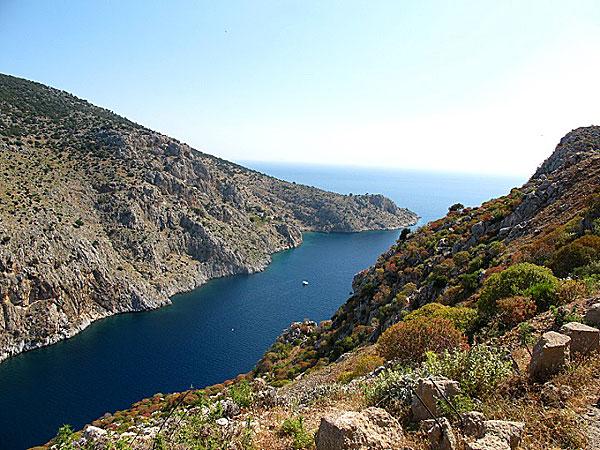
100	216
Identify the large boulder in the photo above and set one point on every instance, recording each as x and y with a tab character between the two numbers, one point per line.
498	435
230	408
584	339
472	424
426	393
372	428
93	438
550	354
439	433
592	315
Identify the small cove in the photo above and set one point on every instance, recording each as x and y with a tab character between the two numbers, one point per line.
222	328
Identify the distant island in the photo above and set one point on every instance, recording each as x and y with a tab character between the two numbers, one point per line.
101	216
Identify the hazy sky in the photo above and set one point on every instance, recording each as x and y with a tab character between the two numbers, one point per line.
486	86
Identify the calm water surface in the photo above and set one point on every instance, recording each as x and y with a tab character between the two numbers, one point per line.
223	328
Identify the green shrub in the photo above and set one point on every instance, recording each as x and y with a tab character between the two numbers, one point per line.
470	281
462	402
345	377
392	389
479	370
408	341
543	295
364	366
63	437
514	310
294	427
368	364
578	253
514	281
242	394
462	318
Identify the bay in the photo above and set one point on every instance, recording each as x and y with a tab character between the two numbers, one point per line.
221	329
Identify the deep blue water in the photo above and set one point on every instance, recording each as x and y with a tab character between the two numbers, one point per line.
223	328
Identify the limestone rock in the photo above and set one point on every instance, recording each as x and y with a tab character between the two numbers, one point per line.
259	384
498	435
550	354
429	395
488	443
93	438
222	421
583	337
592	315
229	408
93	433
512	432
440	438
372	428
555	395
473	423
269	398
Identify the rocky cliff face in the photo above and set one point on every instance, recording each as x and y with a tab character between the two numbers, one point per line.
100	216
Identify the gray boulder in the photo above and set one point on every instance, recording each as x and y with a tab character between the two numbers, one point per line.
584	339
550	355
592	315
498	435
472	423
269	398
428	394
229	408
373	428
439	437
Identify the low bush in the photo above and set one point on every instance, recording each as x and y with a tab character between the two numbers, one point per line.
242	394
578	253
479	370
408	341
392	389
294	427
364	366
514	281
462	318
514	310
64	437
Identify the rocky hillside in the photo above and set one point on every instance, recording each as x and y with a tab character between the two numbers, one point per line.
99	216
552	220
435	347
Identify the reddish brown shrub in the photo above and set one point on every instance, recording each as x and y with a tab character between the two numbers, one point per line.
408	341
514	310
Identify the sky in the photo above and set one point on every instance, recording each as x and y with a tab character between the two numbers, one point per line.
473	86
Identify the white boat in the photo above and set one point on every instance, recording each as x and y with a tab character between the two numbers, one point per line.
304	283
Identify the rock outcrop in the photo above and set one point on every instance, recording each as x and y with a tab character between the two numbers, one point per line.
100	216
427	395
550	354
592	315
439	433
498	435
584	339
372	429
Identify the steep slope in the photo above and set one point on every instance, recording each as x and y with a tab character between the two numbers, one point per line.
448	260
549	225
99	215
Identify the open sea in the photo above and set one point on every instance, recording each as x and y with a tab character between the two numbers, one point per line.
221	329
